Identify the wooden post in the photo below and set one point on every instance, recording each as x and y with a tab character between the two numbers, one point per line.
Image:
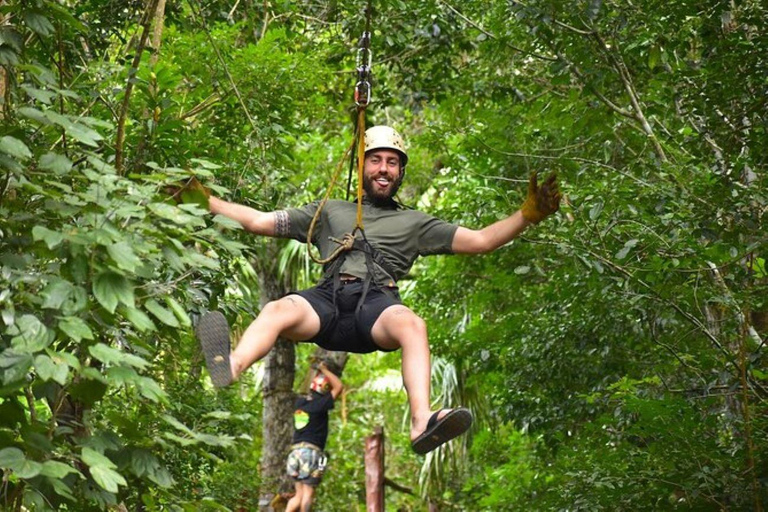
374	471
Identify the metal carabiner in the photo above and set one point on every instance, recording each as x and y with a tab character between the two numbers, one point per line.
362	93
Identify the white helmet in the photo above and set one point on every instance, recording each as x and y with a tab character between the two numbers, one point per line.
384	137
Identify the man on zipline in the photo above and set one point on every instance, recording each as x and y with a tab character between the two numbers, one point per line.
307	459
356	307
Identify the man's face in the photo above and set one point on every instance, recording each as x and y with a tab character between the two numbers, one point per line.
381	175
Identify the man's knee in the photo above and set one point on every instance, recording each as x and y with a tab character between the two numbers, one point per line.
287	307
408	321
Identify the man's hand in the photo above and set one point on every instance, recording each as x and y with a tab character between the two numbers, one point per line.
541	201
190	191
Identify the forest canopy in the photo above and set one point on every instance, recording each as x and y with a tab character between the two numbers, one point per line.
613	356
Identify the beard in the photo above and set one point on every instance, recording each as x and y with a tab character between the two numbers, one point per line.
378	197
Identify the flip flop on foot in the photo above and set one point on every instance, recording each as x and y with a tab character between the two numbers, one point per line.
453	424
213	333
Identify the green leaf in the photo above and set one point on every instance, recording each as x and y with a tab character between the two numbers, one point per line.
14	459
174	214
51	238
31	334
10	457
93	458
56	469
14	147
622	253
522	270
150	389
76	328
113	356
38	23
56	163
111	288
16	365
143	462
161	313
56	294
178	311
138	318
47	369
122	254
39	94
34	114
161	477
11	37
61	488
107	478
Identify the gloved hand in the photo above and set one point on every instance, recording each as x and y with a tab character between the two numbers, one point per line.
190	191
541	201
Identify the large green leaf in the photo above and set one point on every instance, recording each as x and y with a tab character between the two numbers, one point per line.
14	459
107	478
16	365
56	163
111	288
122	254
31	334
56	469
178	311
38	23
161	313
51	238
76	328
176	215
113	356
14	147
56	293
48	369
138	318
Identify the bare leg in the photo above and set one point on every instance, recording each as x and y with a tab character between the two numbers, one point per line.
294	503
399	327
307	495
292	317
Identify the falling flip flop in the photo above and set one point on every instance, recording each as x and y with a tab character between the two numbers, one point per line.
213	333
438	432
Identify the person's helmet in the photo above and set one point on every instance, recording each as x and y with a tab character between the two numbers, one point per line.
320	384
384	137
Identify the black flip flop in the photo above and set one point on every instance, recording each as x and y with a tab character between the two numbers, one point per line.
213	333
438	432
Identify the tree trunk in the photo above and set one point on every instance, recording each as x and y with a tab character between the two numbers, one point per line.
157	31
277	426
374	471
277	388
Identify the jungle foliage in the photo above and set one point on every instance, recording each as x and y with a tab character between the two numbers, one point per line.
614	355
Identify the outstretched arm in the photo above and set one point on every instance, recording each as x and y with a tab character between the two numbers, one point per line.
336	385
541	202
260	223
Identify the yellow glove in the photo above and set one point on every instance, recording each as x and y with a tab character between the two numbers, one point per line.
541	201
190	191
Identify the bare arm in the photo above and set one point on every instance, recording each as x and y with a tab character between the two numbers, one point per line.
490	238
540	202
252	220
336	385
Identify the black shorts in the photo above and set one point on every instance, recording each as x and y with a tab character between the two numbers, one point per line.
342	328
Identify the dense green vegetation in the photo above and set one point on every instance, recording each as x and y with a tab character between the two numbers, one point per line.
614	355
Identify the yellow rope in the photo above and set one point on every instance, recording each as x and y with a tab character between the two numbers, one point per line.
360	162
345	244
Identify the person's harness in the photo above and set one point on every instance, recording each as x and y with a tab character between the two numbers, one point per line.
373	257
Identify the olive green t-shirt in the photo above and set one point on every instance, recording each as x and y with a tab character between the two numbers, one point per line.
399	235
